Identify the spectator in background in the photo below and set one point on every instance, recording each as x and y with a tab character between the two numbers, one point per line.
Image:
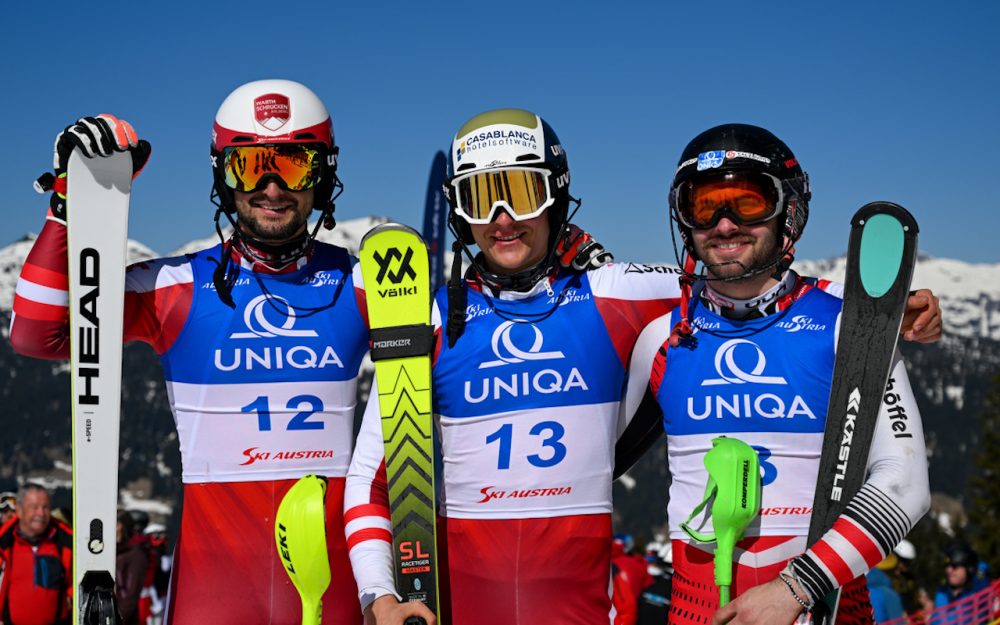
8	502
629	578
36	556
885	600
130	570
142	542
161	558
960	566
903	579
654	603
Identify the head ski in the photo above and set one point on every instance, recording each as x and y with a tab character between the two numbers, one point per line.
97	230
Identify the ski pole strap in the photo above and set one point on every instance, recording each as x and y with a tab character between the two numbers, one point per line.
402	341
711	488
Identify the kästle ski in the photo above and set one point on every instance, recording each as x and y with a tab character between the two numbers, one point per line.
880	260
97	231
394	265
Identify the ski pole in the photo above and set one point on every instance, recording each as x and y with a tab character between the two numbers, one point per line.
300	536
734	489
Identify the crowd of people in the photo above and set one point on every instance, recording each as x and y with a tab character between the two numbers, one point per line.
896	593
36	562
554	370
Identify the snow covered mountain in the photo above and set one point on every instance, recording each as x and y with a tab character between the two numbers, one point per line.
970	293
347	234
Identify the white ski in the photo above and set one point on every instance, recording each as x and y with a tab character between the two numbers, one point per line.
97	231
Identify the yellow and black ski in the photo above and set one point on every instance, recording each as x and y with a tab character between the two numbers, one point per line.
394	264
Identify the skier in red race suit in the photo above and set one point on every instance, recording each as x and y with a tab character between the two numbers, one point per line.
261	339
749	354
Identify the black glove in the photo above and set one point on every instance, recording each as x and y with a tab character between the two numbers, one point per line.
578	250
93	136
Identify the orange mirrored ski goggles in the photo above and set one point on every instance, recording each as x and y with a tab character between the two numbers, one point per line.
747	199
296	166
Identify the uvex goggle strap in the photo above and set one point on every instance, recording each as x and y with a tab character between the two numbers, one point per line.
747	198
297	166
523	192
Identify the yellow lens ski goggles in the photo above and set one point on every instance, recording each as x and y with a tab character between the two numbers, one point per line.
296	166
522	191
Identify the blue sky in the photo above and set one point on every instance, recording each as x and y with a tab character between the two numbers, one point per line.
879	100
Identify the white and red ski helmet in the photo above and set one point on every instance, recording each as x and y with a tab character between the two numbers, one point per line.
274	111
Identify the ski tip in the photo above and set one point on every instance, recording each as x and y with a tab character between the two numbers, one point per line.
869	210
388	226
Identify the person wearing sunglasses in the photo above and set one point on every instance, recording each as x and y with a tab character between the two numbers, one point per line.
261	338
749	353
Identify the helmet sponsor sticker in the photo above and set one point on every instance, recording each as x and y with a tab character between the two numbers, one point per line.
711	160
754	157
272	110
499	145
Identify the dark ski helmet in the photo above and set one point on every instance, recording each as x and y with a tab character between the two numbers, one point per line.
275	112
960	554
736	150
505	138
140	518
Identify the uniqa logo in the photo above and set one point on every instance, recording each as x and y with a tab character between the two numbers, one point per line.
745	405
268	355
514	354
731	373
259	327
522	383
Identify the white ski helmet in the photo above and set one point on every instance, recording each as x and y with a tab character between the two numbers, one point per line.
269	112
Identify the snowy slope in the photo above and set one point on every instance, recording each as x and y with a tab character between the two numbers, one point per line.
970	293
347	234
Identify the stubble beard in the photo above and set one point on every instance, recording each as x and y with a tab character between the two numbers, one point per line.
273	233
765	252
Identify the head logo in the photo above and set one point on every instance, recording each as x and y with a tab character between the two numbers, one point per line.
254	316
711	160
272	110
404	265
731	373
514	355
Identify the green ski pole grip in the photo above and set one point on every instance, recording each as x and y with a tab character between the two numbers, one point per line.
734	488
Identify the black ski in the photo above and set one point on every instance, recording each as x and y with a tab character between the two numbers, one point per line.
880	260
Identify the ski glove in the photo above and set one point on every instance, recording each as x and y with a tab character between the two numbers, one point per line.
578	250
93	136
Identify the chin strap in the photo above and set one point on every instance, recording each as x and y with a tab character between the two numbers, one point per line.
457	299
